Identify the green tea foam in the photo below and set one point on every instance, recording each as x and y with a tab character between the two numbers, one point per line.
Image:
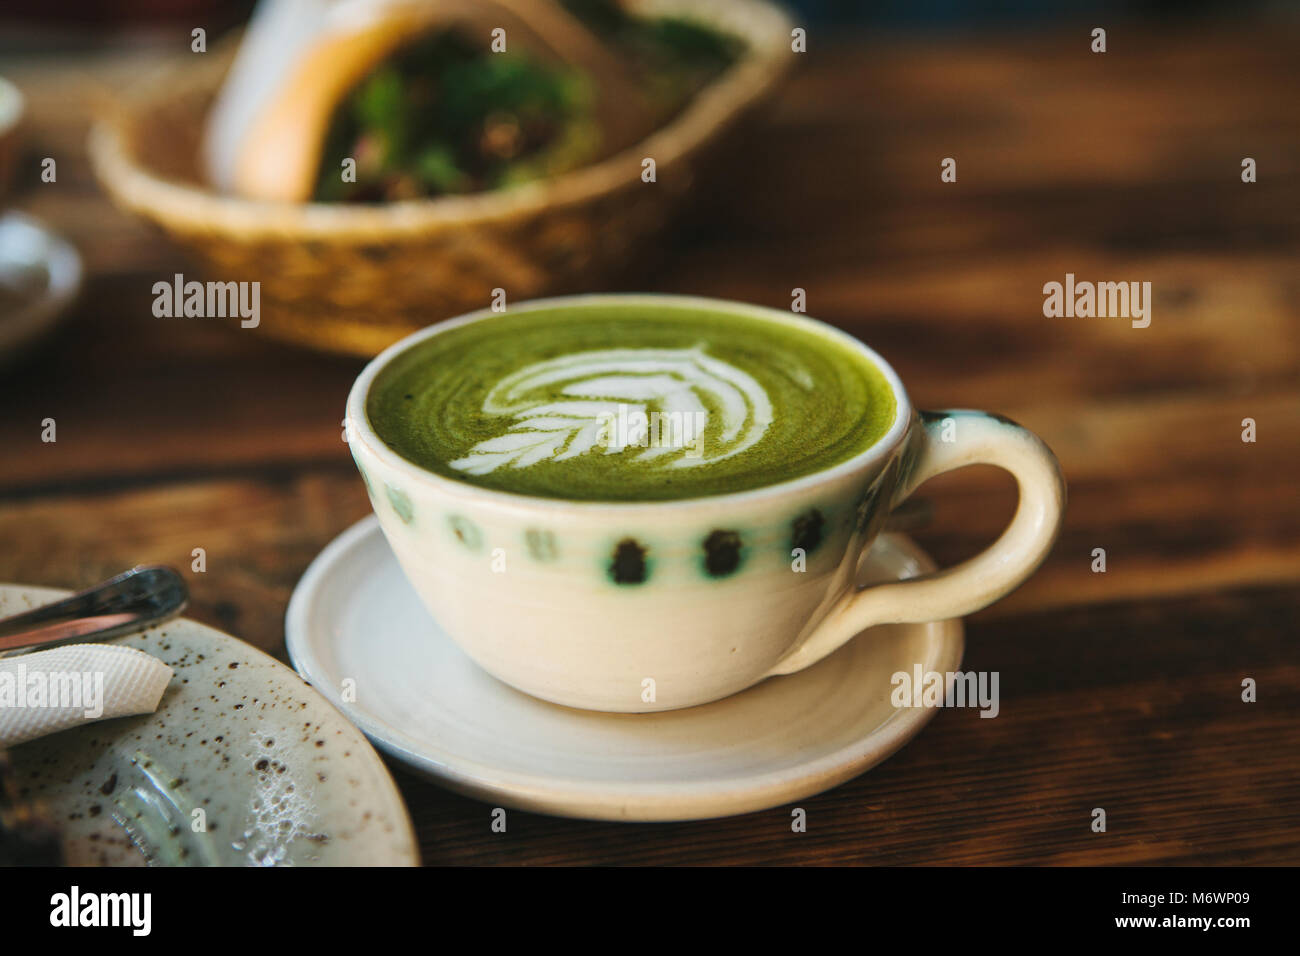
629	402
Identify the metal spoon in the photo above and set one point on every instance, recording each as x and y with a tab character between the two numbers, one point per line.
138	599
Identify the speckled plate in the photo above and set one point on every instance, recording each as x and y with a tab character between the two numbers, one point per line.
355	621
281	777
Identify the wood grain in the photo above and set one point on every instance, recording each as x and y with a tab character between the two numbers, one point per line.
1120	690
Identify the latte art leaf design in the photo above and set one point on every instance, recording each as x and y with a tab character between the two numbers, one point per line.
574	405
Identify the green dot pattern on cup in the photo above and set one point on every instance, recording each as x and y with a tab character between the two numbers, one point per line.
401	503
466	532
628	564
807	531
541	545
723	554
719	553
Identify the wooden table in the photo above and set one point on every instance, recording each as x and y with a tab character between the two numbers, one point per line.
1120	690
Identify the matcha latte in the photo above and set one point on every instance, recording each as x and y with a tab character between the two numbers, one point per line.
629	402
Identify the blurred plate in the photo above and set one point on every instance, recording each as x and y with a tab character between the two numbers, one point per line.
281	777
40	275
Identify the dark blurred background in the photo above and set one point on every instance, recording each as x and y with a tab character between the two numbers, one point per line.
937	14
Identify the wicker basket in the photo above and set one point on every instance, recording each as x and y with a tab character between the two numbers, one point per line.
354	279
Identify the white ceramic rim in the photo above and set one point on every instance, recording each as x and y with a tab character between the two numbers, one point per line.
585	799
359	428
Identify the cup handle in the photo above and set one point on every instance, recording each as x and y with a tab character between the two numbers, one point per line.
947	441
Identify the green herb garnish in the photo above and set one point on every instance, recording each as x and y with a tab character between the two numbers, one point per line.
445	116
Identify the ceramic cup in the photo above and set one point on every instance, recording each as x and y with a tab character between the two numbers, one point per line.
627	607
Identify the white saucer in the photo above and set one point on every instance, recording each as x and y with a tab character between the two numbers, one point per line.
354	617
40	275
281	777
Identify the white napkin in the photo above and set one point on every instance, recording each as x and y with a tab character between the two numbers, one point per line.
48	691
